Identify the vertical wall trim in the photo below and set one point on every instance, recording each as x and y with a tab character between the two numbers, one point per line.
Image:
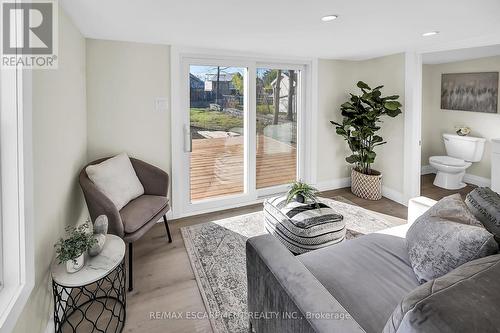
412	125
312	123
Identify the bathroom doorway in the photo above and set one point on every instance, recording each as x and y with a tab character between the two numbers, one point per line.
460	116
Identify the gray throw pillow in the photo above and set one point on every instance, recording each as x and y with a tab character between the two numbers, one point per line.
484	203
445	237
464	300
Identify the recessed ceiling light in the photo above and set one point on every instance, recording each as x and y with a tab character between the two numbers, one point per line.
328	18
430	33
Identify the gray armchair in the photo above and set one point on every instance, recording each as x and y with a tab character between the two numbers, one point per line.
139	215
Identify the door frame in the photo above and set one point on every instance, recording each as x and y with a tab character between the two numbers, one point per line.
181	58
413	107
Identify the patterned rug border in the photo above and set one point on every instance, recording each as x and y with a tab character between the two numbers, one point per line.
209	299
204	288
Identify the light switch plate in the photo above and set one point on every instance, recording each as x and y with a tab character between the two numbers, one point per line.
161	104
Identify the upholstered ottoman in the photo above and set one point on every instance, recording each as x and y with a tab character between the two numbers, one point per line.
303	227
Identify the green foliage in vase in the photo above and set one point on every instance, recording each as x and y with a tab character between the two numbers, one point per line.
79	240
303	189
362	115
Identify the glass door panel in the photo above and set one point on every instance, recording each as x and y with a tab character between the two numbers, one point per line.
216	119
276	116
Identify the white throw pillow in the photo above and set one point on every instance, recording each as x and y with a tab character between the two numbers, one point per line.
117	179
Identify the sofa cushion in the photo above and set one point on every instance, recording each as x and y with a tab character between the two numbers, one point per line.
116	178
484	203
464	300
140	211
445	237
368	275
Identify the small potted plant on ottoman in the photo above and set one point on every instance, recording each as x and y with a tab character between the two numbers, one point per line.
72	249
301	192
359	126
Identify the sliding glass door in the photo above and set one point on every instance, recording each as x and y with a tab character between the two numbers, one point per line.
216	121
276	126
240	132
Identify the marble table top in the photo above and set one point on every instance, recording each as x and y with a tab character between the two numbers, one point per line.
95	268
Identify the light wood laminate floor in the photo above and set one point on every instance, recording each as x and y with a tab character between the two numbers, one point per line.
164	280
429	190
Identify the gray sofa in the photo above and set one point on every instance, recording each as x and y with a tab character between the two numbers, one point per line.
367	285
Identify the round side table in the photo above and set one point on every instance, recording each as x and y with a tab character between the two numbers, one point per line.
94	298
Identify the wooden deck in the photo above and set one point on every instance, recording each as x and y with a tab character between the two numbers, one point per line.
217	165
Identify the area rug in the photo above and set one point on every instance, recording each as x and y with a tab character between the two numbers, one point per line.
216	250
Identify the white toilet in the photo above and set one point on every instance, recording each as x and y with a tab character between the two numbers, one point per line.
462	152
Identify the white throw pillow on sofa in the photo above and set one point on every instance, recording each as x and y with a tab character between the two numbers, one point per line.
117	179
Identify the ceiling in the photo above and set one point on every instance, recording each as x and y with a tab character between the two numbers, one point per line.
461	54
364	29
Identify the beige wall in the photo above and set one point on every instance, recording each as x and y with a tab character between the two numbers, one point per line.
336	80
435	121
59	151
123	81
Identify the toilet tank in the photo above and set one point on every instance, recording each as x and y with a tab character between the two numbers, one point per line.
467	148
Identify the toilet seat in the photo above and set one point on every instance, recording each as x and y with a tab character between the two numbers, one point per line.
449	161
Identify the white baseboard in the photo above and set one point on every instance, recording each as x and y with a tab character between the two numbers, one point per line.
335	184
427	170
477	180
468	178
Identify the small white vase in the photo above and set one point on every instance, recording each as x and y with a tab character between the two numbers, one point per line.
74	265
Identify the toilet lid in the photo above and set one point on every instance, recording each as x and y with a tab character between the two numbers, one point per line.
447	160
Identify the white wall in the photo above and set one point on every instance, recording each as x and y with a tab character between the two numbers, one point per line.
59	151
123	81
336	80
435	121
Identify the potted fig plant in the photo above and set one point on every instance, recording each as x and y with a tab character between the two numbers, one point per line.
361	119
301	192
71	250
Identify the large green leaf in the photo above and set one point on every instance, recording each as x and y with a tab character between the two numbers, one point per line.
363	85
340	131
371	154
393	113
392	105
347	105
352	159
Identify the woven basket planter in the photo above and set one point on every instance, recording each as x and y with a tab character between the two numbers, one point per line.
366	186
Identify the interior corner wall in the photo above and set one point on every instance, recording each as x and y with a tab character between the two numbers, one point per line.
335	78
338	78
59	151
436	121
123	81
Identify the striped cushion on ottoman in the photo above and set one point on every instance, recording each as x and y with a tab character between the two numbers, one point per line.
303	227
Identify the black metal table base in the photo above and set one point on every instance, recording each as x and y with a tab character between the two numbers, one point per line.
96	307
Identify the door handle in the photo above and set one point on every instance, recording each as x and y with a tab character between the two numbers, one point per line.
188	141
